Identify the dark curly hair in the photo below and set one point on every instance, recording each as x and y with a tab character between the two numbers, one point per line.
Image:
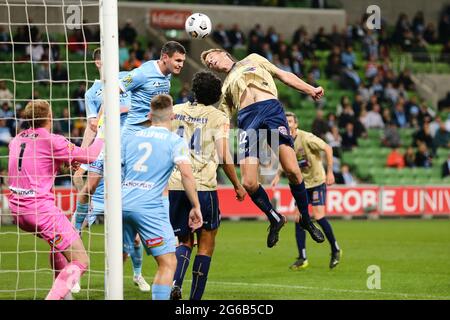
207	87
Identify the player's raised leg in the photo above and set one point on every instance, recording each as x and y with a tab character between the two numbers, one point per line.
249	171
289	163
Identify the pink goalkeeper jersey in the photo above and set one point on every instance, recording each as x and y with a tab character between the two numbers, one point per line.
34	158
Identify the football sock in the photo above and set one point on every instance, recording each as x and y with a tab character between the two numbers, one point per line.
183	254
326	227
136	258
261	199
300	236
66	280
80	214
160	292
301	198
58	262
199	276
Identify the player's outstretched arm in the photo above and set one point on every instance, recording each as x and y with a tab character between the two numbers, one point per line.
188	180
295	82
226	160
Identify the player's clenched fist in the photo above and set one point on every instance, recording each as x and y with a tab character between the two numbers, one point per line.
195	219
317	93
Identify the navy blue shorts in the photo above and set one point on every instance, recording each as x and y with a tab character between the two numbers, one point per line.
180	206
317	195
262	118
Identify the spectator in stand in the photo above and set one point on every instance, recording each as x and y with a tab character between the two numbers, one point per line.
377	87
374	119
395	159
333	69
410	158
399	114
336	38
5	94
445	52
8	115
386	115
35	50
258	32
349	138
4	37
321	40
136	47
76	136
43	73
358	104
272	37
77	43
405	79
423	156
391	94
446	167
334	139
391	137
331	120
430	34
5	133
346	176
78	103
255	45
347	116
348	58
183	95
124	53
22	36
220	36
315	69
444	26
319	126
423	136
285	65
441	138
364	92
61	126
297	61
151	53
132	62
128	32
236	36
59	73
267	52
371	70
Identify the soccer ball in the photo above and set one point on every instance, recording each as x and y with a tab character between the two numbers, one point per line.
198	25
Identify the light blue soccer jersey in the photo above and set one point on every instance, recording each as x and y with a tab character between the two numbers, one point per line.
144	83
97	165
148	158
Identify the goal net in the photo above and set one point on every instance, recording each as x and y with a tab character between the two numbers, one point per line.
46	53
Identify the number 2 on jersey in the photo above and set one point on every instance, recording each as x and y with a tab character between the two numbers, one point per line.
139	165
195	143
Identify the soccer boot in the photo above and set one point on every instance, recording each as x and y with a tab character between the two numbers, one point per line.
299	264
335	258
274	230
175	293
315	233
141	283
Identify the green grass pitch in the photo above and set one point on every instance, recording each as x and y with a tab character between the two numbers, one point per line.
413	257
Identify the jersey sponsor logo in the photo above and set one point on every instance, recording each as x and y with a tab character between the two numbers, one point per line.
138	185
22	192
155	242
283	130
56	240
157	84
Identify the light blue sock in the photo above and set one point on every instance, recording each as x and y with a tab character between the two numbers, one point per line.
80	215
136	258
160	292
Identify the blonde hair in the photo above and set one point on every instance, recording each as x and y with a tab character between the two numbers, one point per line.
38	112
293	115
204	54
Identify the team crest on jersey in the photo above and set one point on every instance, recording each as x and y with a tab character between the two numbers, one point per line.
157	84
70	146
283	130
316	196
155	242
56	240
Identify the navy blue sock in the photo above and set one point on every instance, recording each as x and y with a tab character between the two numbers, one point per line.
300	236
183	254
261	199
199	276
301	198
326	227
